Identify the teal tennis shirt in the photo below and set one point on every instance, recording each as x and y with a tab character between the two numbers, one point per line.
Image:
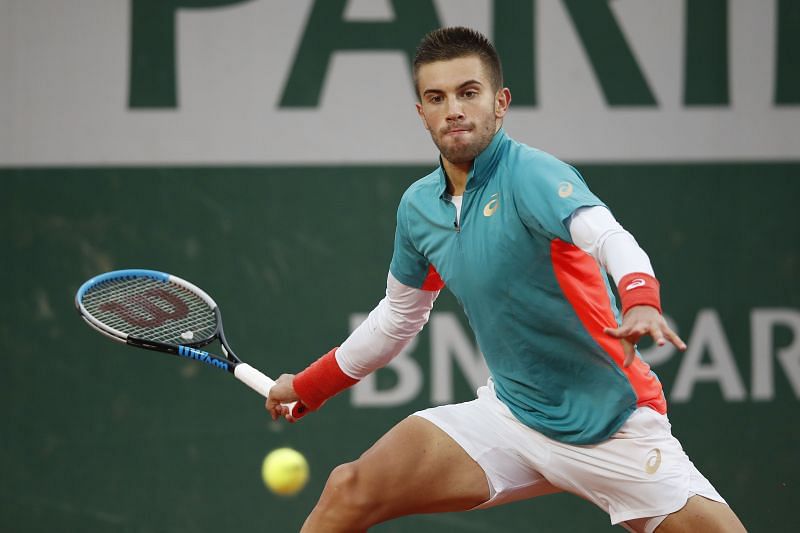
536	302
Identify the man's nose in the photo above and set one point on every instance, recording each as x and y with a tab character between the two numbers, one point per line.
454	109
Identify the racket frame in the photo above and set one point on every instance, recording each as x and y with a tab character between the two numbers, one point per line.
230	362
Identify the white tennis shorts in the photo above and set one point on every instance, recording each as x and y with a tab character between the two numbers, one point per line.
640	472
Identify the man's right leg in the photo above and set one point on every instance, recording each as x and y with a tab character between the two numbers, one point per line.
414	468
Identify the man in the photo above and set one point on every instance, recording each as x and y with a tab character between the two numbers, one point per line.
525	246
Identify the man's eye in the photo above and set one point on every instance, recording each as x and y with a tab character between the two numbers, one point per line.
435	99
470	94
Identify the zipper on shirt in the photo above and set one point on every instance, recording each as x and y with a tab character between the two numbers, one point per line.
464	208
456	226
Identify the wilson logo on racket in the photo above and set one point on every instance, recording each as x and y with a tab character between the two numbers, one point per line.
200	355
141	309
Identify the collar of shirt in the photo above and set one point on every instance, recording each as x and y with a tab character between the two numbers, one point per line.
482	167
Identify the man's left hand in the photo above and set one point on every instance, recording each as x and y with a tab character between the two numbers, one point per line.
639	321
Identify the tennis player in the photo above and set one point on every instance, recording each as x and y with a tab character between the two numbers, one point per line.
526	248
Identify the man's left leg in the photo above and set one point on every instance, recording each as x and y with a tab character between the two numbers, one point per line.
702	514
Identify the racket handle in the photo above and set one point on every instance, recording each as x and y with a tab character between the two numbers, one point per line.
260	383
253	378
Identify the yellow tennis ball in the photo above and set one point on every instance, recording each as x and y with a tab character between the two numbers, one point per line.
284	471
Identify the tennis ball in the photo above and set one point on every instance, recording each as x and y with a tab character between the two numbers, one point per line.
284	471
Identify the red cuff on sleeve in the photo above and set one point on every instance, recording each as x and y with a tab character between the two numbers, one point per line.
639	288
321	380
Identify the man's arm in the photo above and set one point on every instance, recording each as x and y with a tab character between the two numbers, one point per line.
387	330
597	232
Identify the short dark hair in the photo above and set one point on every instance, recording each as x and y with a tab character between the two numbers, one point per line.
455	42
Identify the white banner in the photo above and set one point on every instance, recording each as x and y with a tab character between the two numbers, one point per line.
66	72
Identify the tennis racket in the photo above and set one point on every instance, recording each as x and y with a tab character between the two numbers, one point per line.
157	311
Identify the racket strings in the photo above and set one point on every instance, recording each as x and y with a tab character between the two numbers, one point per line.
151	309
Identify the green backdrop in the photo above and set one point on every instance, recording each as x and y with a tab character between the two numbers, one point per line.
101	437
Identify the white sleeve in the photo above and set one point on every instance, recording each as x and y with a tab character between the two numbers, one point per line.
388	329
595	231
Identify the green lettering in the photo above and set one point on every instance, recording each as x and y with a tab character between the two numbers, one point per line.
618	73
327	32
787	82
706	61
514	39
152	63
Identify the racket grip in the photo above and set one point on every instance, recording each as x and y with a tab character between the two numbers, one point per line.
260	383
253	378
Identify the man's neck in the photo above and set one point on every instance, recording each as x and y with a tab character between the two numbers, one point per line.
457	174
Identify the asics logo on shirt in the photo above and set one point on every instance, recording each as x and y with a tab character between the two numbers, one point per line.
638	282
653	461
491	207
565	189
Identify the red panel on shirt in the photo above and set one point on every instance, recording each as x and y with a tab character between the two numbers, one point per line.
433	282
581	281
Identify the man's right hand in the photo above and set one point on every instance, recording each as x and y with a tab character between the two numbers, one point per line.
280	396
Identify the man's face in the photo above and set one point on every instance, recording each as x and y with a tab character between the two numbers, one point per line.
460	107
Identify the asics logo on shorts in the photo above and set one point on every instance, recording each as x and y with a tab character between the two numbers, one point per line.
653	461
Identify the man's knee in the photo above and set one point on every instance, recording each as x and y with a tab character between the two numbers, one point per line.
343	479
346	491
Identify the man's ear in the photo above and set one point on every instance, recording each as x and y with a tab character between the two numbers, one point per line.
422	116
501	102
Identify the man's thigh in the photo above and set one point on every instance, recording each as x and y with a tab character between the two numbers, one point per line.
417	468
414	468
